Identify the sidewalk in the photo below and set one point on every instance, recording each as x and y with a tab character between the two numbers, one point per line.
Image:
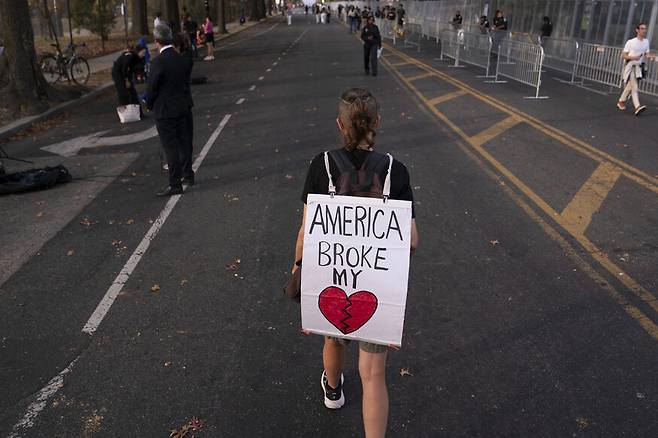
97	65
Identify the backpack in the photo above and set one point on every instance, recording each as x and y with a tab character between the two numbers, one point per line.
365	181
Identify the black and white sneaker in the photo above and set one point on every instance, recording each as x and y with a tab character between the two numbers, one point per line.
333	397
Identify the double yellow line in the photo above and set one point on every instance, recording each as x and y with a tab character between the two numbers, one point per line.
576	217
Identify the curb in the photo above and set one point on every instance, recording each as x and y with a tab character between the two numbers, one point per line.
26	122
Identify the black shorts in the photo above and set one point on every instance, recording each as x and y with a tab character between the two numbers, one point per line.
210	38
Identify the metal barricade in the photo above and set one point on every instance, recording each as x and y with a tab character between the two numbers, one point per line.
521	62
601	64
431	28
476	50
413	34
387	30
450	45
561	55
649	83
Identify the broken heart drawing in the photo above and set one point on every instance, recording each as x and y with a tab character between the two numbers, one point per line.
347	313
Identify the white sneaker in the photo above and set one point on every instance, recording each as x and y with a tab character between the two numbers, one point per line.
208	58
333	398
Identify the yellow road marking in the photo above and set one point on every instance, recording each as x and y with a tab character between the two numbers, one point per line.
420	76
446	97
578	214
645	180
494	131
596	253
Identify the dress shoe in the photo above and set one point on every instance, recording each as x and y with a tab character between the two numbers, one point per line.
170	191
188	180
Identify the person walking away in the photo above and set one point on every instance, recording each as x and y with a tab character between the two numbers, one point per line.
323	16
457	20
123	74
401	15
289	15
352	17
358	118
372	42
340	12
498	30
636	53
316	9
190	29
306	10
546	28
210	39
169	97
328	14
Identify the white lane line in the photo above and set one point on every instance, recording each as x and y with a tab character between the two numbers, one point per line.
239	102
252	88
41	401
268	70
261	78
117	285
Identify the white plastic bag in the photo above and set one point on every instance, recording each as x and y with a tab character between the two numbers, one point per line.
379	52
128	113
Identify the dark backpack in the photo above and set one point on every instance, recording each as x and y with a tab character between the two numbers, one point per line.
365	181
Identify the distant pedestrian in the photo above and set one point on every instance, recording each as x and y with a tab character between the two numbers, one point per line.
546	27
323	16
158	21
328	14
499	22
289	16
351	16
123	75
316	11
636	53
169	97
457	20
306	10
484	24
358	119
372	42
189	29
209	32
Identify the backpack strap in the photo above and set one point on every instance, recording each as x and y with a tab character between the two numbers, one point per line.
332	187
387	182
342	160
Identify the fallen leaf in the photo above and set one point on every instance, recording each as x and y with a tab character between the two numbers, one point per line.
130	221
289	177
233	265
167	364
583	423
70	252
87	222
405	372
494	242
184	281
40	214
155	288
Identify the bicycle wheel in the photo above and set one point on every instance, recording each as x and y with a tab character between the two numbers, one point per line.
80	71
50	69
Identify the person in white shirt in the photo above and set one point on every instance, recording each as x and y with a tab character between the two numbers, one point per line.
636	53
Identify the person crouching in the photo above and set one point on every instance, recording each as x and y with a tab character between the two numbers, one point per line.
123	72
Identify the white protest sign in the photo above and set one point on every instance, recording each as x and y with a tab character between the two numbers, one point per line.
355	267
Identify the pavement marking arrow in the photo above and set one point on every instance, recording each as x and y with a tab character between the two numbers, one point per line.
70	148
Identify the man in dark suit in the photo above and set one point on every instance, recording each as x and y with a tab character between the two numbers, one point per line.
168	96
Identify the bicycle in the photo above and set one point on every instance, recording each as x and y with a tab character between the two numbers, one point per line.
67	64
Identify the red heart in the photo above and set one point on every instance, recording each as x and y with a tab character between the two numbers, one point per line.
347	314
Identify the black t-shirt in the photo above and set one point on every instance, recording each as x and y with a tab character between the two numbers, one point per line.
500	23
317	181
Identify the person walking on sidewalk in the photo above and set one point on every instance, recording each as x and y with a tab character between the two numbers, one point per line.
372	42
123	73
358	118
209	32
189	28
636	53
168	96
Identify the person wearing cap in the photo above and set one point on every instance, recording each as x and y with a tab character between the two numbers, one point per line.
169	97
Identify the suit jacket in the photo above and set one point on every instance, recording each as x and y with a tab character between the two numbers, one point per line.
168	92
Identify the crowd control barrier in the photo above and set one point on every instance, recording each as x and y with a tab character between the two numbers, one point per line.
521	62
431	28
413	34
601	64
450	45
476	50
561	55
386	29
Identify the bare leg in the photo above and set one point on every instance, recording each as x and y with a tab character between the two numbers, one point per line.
333	356
372	368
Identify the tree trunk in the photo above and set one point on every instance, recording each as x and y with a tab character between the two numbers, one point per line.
171	14
221	16
139	17
20	76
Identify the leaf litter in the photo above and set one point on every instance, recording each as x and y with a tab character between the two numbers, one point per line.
194	425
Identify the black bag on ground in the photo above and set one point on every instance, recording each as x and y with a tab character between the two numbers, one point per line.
33	179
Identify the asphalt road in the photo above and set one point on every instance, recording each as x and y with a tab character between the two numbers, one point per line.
516	323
